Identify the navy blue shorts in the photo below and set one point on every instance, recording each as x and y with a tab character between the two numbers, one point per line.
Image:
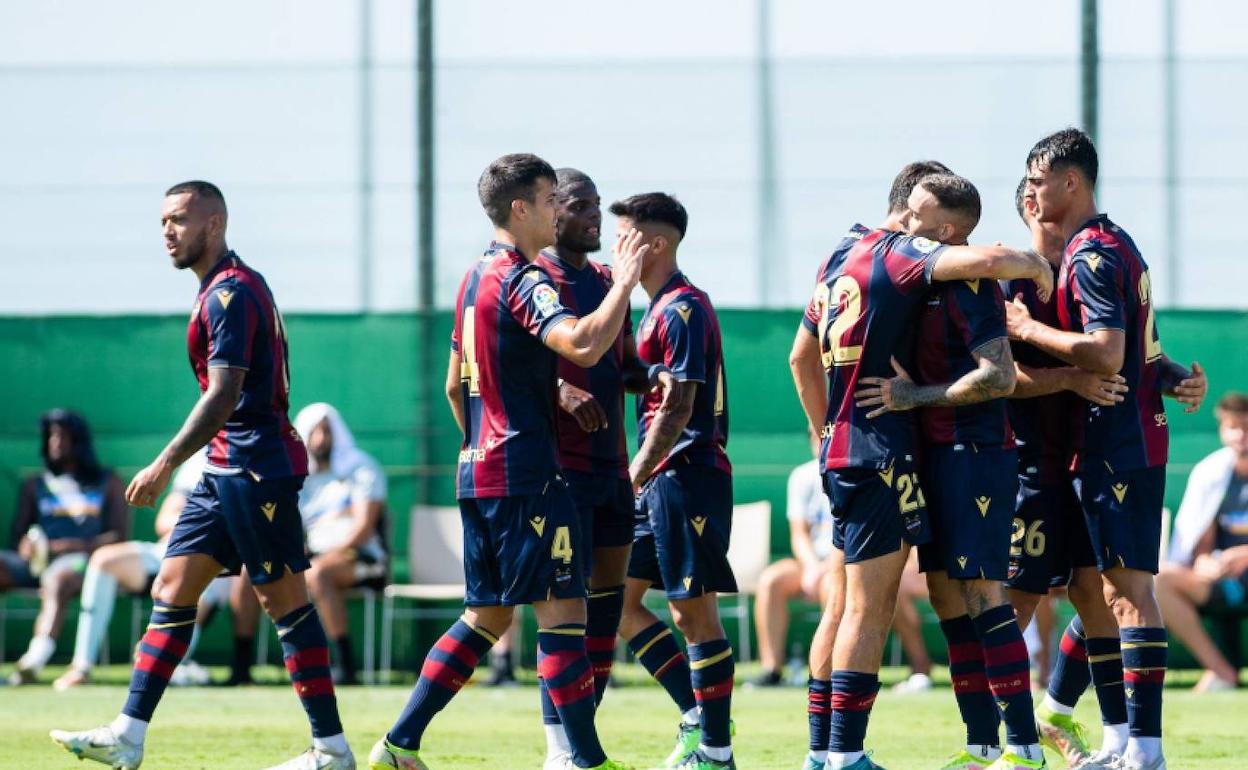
1050	537
1123	512
243	522
873	510
970	500
606	507
684	521
522	549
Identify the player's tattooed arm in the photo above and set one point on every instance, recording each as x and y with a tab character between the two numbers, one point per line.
1186	387
1100	389
207	417
993	377
663	432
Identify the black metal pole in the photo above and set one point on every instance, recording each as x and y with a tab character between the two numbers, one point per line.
425	277
1089	68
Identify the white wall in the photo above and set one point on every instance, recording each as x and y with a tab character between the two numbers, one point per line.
105	105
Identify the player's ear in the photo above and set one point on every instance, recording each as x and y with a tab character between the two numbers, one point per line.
658	245
519	208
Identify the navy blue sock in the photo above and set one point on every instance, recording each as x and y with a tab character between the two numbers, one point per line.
712	670
655	648
819	712
1105	663
970	682
448	666
565	668
602	626
1009	672
1071	675
160	651
1144	653
853	695
306	653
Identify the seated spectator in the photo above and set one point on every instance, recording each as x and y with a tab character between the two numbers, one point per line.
132	566
63	514
1207	564
803	575
342	502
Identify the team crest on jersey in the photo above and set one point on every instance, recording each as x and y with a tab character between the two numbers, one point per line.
546	299
924	245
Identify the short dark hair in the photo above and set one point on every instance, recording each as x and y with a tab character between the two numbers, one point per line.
954	193
200	189
508	178
567	177
907	178
653	207
1067	148
1232	403
1020	193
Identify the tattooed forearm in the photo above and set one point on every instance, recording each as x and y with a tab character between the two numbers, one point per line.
992	378
208	415
663	432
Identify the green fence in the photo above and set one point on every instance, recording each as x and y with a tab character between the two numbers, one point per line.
130	377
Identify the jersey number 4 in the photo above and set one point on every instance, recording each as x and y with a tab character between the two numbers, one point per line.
468	369
845	297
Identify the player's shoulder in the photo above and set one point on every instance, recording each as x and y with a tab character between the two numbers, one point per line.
686	301
1100	239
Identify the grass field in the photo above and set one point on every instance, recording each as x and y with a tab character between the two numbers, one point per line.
253	727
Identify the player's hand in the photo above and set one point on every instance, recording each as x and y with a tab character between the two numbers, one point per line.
1097	388
629	256
667	386
1017	317
1044	278
584	407
1209	566
812	576
1191	390
886	394
26	548
148	483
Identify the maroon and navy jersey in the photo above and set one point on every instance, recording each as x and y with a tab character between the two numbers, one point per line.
506	307
868	294
236	324
604	451
681	331
960	317
1042	425
1104	284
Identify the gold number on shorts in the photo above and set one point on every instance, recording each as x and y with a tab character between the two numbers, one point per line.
1027	539
909	494
561	548
468	369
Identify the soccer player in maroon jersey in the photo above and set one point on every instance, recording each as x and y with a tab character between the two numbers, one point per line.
521	530
969	475
859	322
245	511
684	507
1051	545
593	454
808	376
1107	324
